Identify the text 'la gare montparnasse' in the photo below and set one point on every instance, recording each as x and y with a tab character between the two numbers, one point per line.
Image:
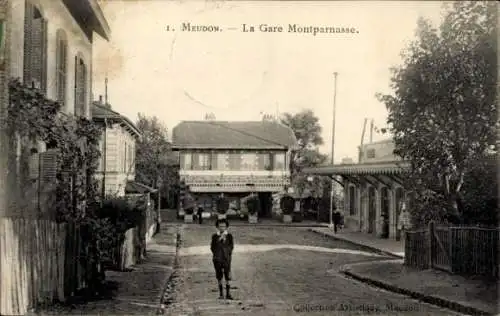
296	28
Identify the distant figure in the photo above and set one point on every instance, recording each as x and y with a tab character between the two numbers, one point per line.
222	250
403	220
337	218
200	215
222	206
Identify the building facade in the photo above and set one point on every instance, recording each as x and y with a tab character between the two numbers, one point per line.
116	172
47	44
235	158
373	189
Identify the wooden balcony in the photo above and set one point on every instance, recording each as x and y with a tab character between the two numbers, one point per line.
235	183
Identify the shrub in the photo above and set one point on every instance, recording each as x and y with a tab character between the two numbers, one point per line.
253	205
287	204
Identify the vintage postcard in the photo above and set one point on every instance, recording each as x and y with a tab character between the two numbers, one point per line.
249	157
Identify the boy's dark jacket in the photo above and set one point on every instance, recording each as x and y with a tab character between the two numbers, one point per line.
222	249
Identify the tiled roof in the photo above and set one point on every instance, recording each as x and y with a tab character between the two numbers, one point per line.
101	111
223	134
364	168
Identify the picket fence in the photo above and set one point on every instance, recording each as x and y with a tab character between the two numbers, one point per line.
455	249
32	263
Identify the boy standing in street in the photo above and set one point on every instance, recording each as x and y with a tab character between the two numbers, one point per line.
222	250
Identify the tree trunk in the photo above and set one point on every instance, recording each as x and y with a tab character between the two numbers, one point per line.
455	211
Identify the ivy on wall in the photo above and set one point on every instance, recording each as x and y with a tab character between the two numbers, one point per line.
33	117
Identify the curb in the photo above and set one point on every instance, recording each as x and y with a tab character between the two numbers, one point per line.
458	307
168	287
373	249
278	225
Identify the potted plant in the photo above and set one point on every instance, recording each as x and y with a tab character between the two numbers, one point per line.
253	209
188	215
222	206
287	207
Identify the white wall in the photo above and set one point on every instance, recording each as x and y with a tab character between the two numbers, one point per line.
383	152
57	16
117	173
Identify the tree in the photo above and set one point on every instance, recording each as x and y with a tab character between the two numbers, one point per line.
154	158
443	110
307	130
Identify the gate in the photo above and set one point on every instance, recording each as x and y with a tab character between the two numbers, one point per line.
440	247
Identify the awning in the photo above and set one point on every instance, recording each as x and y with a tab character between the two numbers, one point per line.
133	187
379	168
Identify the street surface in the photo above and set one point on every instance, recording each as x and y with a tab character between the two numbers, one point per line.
282	271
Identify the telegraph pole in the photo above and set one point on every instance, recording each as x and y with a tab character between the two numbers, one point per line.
332	191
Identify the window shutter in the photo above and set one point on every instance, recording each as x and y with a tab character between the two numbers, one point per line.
77	92
28	47
182	158
48	180
196	161
61	71
213	163
64	70
83	89
43	53
80	83
261	161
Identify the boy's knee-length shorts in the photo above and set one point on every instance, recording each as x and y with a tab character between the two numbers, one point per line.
222	269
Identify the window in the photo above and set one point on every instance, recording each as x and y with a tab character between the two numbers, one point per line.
279	161
234	161
370	153
248	162
222	161
61	66
204	161
80	86
35	48
265	161
186	161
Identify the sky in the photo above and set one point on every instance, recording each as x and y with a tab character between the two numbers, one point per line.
155	68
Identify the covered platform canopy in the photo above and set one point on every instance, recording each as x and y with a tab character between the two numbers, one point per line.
387	169
393	167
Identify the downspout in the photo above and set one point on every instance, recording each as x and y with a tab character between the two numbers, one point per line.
104	159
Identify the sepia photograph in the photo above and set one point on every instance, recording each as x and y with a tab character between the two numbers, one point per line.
249	157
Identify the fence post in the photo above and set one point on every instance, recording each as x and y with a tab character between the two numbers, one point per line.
430	241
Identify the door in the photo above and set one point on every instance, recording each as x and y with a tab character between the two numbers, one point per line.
265	204
371	210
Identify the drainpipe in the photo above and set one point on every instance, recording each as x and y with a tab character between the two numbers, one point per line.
104	159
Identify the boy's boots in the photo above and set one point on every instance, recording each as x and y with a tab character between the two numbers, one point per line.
228	294
221	292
